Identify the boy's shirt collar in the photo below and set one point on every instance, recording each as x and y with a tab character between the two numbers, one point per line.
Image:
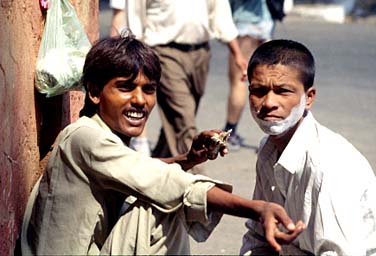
293	158
101	123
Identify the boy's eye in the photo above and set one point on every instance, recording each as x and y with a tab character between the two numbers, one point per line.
150	88
125	87
282	90
258	90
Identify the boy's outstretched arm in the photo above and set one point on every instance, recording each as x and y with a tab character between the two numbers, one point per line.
269	214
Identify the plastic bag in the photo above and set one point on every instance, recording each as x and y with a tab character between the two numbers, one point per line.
62	51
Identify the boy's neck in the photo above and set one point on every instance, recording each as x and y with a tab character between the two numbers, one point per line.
281	141
126	139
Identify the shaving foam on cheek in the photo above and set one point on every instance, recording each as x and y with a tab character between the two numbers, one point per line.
280	127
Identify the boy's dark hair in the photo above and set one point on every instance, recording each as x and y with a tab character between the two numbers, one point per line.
288	53
121	56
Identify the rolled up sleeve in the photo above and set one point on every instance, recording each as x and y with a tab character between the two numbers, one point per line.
199	221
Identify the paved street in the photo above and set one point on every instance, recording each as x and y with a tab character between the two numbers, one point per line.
346	100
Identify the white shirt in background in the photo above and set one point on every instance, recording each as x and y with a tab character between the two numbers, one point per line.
180	21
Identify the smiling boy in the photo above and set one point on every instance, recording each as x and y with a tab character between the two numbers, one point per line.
314	173
98	196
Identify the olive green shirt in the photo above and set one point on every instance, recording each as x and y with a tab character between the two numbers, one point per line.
99	196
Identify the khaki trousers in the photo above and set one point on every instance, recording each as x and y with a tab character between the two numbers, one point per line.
184	75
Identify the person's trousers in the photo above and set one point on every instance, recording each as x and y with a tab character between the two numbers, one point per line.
184	75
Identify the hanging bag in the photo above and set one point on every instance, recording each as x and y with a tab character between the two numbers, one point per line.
62	51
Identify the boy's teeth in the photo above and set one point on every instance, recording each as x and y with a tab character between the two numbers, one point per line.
135	114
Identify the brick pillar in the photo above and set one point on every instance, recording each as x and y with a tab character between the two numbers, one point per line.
22	109
88	12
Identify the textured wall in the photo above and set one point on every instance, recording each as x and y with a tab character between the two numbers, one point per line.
22	109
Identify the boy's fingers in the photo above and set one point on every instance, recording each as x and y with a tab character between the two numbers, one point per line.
286	221
286	238
276	238
271	235
224	151
300	225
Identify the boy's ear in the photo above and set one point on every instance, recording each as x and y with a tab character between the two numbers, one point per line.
93	93
310	97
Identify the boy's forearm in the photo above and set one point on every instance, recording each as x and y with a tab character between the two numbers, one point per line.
269	214
223	201
233	45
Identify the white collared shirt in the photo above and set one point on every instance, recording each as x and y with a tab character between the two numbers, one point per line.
322	179
158	22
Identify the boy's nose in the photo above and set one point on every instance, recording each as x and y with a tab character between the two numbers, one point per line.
138	97
270	100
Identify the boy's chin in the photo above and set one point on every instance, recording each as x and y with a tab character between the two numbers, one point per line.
134	132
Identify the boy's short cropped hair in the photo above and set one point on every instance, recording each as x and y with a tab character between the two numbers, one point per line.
288	53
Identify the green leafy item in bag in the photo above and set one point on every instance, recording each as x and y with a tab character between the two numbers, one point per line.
62	51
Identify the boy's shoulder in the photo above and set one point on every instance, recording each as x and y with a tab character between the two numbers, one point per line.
83	123
88	129
333	152
333	141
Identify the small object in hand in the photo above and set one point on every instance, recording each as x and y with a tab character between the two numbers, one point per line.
219	141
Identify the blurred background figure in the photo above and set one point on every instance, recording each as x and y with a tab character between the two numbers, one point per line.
180	31
255	26
347	4
118	17
118	23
